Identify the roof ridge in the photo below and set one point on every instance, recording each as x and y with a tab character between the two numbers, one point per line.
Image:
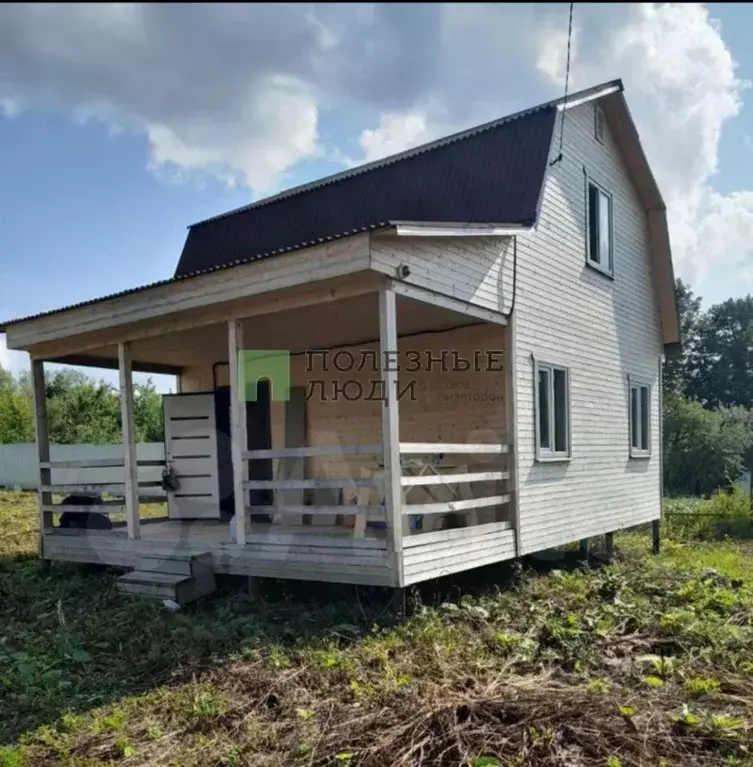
406	154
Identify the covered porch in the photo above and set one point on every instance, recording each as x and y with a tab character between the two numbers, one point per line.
382	458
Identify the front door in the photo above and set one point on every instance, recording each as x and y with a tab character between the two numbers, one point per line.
191	450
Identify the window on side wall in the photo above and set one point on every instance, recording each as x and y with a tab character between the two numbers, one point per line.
640	419
599	124
600	237
552	385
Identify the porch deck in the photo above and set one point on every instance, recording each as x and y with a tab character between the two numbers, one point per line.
323	553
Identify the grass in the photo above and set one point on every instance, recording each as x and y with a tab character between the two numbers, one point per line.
725	514
647	661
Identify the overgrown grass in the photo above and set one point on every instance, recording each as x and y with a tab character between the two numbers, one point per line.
647	661
725	514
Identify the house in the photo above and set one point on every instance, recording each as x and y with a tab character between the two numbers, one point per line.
440	360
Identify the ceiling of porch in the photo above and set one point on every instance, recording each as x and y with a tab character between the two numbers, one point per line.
349	321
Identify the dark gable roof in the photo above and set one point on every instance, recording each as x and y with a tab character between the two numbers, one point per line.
490	174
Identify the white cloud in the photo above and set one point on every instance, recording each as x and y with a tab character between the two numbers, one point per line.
682	88
221	90
12	360
277	109
396	132
9	107
239	91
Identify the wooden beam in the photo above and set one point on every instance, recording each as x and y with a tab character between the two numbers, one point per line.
130	464
90	488
43	449
393	495
239	292
452	479
105	508
85	464
448	302
656	536
238	428
511	426
432	448
309	452
310	484
315	511
111	363
451	506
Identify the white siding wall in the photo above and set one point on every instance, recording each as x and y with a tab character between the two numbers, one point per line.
465	268
603	330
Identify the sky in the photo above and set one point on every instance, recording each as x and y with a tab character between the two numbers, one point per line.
121	125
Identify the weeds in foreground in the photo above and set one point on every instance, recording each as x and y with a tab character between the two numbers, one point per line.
646	661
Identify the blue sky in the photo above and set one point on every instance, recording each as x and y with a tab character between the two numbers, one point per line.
122	125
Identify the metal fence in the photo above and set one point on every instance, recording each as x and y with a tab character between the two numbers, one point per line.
18	465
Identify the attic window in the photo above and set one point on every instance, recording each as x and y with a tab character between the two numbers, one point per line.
599	124
599	216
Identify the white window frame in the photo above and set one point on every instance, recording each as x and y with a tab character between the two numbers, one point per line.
634	382
598	121
549	454
608	269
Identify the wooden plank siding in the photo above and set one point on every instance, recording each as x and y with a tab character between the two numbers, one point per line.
444	552
466	268
603	330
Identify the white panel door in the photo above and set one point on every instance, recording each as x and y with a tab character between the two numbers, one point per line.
191	450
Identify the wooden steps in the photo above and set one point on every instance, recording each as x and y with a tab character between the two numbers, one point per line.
180	577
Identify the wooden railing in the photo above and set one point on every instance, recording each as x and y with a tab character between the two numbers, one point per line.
94	488
427	458
282	485
454	482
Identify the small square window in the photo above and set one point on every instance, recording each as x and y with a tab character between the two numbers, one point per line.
640	419
599	229
599	124
552	412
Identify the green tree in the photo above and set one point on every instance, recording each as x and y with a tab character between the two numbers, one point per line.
16	423
147	413
703	449
681	364
724	360
81	410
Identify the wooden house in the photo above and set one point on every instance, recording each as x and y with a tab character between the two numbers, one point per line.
440	360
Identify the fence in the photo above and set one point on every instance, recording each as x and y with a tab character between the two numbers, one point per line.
18	465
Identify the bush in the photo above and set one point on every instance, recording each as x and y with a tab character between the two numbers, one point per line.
726	513
704	449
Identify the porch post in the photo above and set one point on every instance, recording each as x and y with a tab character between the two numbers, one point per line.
393	494
130	460
238	436
43	450
511	427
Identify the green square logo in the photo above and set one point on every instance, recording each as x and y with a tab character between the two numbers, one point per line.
256	365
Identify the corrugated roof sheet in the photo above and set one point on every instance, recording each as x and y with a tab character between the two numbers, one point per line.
489	174
492	174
